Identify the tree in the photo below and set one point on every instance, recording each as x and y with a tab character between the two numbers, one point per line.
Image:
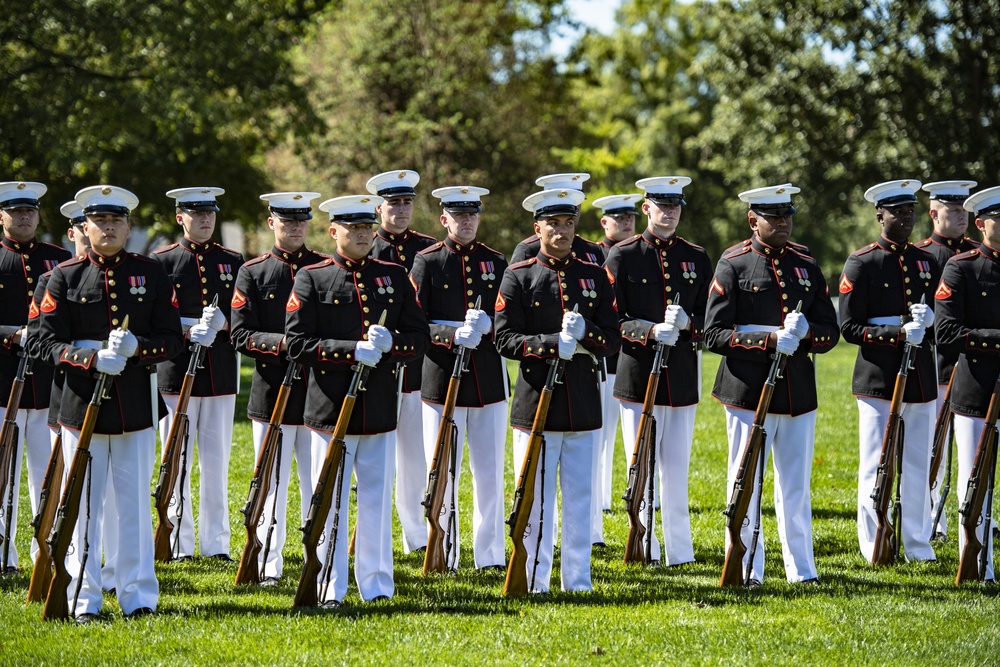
149	96
463	93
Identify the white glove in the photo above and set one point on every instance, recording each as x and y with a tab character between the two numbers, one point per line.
914	333
366	353
109	362
922	314
213	317
676	317
380	337
478	320
467	336
123	343
797	324
666	334
574	325
202	334
787	342
567	346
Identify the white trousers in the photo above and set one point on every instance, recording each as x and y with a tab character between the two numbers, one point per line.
295	440
485	430
791	440
674	433
942	472
572	452
968	430
210	425
915	496
372	458
604	455
124	462
34	438
411	471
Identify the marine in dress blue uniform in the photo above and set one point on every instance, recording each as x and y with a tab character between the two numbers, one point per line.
947	239
77	327
396	242
968	308
449	277
586	250
535	324
751	313
23	261
331	325
661	285
880	311
263	286
201	271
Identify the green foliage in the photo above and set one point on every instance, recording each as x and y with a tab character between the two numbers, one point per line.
149	96
463	93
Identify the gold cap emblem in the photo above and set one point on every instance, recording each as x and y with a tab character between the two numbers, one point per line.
465	191
297	197
576	177
673	180
564	194
402	174
206	192
779	191
904	183
21	186
365	200
105	190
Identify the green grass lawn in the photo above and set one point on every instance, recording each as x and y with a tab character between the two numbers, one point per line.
910	614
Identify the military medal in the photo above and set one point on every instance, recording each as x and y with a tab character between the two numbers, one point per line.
226	271
488	270
50	264
384	285
689	272
137	284
588	286
924	267
803	276
592	258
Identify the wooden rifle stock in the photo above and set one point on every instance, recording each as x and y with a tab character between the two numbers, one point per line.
329	482
942	432
639	469
980	484
56	603
253	509
739	502
41	574
170	464
886	547
516	583
9	436
436	556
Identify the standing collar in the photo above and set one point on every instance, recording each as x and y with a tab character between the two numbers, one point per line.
941	239
351	264
107	262
554	262
393	238
658	242
458	247
286	256
197	247
892	246
18	246
768	251
987	251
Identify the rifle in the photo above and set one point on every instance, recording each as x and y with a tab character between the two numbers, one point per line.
751	462
41	574
641	473
56	602
248	572
886	548
516	582
977	493
942	442
436	556
10	434
176	443
329	483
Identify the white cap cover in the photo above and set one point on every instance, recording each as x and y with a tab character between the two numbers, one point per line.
393	183
106	199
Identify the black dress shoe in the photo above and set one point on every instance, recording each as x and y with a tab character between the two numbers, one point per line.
939	537
598	545
84	619
753	583
269	582
139	613
493	568
330	604
813	580
183	559
225	558
380	598
10	571
419	550
112	591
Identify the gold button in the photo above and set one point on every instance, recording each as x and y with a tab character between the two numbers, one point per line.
83	299
469	280
565	297
114	308
779	272
336	301
113	295
364	297
669	288
644	280
204	279
472	305
365	309
909	291
110	273
30	280
115	322
469	292
367	323
361	285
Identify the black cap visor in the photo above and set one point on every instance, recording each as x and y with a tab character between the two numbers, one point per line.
106	209
666	200
898	200
195	206
291	213
354	219
462	206
776	210
620	210
397	192
23	202
556	209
